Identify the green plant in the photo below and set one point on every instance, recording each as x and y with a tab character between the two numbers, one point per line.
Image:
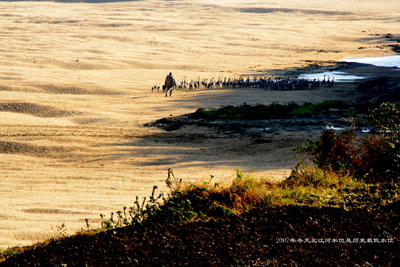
386	145
87	224
261	112
375	158
172	182
310	109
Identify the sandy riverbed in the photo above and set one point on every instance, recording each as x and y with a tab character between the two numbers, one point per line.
75	92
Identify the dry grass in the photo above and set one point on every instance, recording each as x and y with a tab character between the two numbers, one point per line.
314	186
308	185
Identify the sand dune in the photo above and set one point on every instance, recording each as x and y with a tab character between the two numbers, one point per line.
75	80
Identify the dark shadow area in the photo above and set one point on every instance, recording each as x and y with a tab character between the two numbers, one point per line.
36	110
290	10
189	150
208	151
379	37
290	235
254	145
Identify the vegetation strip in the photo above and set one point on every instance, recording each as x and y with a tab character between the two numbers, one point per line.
264	112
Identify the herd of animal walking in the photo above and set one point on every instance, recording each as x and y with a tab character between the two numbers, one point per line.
270	83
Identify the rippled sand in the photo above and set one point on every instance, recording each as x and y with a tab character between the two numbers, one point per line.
75	82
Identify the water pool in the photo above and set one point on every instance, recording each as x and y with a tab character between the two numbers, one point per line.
387	61
338	75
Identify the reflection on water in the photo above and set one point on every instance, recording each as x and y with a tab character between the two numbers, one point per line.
337	75
389	61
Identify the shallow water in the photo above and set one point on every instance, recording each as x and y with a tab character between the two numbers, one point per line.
338	75
387	61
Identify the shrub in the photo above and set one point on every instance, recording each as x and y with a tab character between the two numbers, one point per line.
376	158
386	119
310	109
263	112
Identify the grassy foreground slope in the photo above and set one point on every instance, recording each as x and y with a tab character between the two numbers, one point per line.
339	207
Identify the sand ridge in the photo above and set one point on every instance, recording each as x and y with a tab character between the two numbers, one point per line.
75	90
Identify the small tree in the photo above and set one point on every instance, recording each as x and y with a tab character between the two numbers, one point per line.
384	145
376	159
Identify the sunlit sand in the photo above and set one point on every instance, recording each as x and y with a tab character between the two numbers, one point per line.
75	90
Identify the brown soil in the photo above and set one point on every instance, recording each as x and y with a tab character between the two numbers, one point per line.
282	236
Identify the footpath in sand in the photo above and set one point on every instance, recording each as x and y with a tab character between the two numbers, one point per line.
75	94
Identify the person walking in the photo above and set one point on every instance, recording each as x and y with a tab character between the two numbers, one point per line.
169	84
